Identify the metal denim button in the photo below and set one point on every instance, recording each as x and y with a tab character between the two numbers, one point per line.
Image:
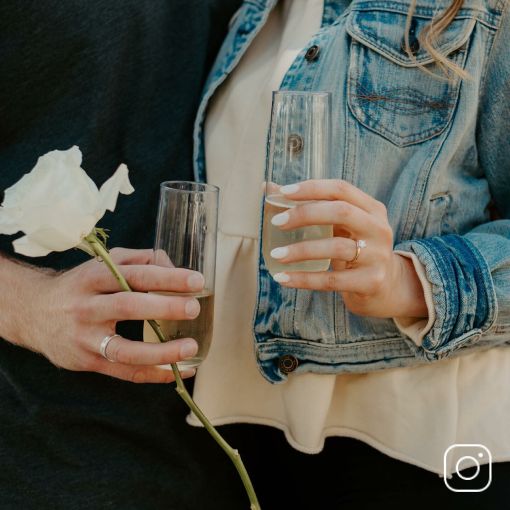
287	363
414	46
295	144
312	53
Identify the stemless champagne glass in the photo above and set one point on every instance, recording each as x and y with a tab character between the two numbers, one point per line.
186	232
299	146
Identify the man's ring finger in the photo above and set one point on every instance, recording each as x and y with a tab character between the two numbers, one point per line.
104	345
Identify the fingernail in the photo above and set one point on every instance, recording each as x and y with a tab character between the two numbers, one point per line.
196	281
280	253
188	349
189	372
289	189
280	219
281	277
192	308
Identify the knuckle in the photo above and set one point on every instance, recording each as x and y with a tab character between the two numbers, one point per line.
339	186
138	376
116	251
298	252
381	208
95	278
376	281
331	282
339	246
87	364
80	310
174	307
342	209
387	234
123	306
298	214
138	279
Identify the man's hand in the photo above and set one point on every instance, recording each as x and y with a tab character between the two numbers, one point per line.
65	316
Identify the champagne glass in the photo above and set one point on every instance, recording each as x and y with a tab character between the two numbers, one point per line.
186	232
299	145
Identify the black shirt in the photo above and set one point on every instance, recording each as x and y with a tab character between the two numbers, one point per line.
122	80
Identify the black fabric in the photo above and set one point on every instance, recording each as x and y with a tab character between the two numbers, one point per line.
122	80
350	475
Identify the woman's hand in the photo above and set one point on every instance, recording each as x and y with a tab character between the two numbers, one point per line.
65	316
380	283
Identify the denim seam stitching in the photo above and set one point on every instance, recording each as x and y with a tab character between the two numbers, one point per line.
437	329
488	286
423	181
240	50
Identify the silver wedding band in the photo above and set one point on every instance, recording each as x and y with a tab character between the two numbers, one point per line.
104	345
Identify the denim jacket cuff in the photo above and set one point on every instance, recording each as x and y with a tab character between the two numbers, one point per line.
417	327
462	291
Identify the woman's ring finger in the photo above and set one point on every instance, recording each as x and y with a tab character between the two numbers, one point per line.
359	245
334	248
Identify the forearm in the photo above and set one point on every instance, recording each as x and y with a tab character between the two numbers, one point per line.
19	283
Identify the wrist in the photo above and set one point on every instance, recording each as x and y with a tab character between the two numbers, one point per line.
407	290
22	303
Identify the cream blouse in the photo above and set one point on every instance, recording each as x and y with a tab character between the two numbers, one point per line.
412	414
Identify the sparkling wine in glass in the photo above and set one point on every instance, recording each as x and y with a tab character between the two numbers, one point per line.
186	232
299	146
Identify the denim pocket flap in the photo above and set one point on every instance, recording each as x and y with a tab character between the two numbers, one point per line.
383	31
404	99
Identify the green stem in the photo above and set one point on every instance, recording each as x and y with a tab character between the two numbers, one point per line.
101	251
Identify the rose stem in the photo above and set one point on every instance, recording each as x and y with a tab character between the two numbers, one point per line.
102	252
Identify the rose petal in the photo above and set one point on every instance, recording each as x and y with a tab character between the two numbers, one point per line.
57	204
109	191
55	173
55	239
9	220
26	247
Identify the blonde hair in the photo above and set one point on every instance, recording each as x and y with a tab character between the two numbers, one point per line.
430	35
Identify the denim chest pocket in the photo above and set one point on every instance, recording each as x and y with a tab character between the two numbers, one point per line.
388	91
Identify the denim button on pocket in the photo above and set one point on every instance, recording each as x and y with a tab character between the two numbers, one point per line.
414	46
312	53
414	43
287	363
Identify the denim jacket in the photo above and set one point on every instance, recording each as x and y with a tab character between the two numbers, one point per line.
436	152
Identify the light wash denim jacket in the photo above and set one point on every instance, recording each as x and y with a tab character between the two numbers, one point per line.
436	152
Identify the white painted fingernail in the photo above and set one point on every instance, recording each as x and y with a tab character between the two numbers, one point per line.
280	219
281	277
289	189
280	253
192	308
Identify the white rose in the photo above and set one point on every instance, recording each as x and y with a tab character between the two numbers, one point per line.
57	204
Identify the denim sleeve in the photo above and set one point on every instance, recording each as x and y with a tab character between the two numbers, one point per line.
470	274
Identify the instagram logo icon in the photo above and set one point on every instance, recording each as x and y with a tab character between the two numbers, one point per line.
467	457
